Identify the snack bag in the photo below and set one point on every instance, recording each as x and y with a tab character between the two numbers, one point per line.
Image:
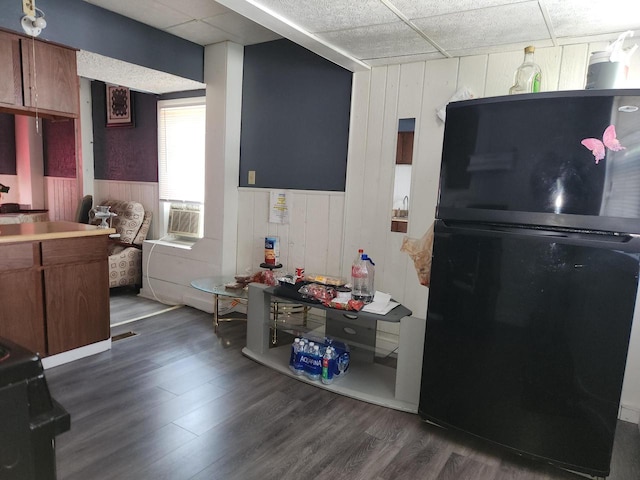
420	251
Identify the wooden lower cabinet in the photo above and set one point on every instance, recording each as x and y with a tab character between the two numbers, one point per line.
55	296
22	318
76	312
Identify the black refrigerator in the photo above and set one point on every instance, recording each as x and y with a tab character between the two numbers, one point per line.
535	272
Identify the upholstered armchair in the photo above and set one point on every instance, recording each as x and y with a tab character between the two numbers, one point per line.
125	253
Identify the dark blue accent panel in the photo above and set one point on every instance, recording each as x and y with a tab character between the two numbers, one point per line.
295	118
407	125
87	27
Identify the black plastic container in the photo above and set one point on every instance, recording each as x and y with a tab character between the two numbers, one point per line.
29	418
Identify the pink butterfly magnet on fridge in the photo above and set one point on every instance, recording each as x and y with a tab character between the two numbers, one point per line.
609	140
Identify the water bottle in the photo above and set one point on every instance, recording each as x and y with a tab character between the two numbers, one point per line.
370	284
314	367
307	357
295	363
328	360
295	347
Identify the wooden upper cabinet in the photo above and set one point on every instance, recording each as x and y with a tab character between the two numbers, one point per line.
404	148
49	78
10	75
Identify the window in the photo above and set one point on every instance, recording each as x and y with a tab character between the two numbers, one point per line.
181	160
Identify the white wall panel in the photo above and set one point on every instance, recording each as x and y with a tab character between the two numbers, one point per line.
472	74
312	239
10	181
500	70
144	192
573	69
356	161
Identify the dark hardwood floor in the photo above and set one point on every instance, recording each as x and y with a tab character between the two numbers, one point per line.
176	401
126	305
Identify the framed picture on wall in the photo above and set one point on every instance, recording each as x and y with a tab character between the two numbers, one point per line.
119	107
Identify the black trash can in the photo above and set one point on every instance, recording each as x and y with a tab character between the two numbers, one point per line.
29	418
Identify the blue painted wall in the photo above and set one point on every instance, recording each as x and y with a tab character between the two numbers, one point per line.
84	26
295	118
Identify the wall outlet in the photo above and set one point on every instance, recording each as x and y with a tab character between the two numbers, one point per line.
29	7
252	177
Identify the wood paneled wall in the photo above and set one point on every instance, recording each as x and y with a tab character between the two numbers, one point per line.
144	192
312	239
388	93
61	198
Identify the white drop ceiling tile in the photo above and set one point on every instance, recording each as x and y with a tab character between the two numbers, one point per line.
328	15
195	9
149	12
241	29
379	41
508	24
570	17
199	32
511	47
117	72
422	57
417	9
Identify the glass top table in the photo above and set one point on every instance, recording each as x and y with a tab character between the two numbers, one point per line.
216	286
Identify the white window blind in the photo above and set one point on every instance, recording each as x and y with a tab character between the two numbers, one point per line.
181	141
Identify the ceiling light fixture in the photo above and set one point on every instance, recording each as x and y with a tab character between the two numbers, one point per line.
33	25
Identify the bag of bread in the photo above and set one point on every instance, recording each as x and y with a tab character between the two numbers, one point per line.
420	250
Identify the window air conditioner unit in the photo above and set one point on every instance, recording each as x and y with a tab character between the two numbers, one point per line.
185	220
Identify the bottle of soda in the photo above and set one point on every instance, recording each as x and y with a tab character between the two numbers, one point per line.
362	276
358	277
328	366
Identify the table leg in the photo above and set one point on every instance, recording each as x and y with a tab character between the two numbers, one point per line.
274	338
215	312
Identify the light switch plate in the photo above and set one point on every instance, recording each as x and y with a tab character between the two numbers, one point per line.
29	7
252	177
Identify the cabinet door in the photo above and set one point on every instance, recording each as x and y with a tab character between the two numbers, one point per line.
21	314
404	149
10	75
50	79
76	285
77	303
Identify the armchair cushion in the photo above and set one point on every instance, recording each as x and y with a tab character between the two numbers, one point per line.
125	266
125	254
129	219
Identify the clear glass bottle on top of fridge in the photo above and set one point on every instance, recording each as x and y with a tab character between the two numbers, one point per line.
528	76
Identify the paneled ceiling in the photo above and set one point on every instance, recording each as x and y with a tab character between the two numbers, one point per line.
358	34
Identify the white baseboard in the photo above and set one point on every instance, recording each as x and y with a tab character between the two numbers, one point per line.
629	414
76	354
